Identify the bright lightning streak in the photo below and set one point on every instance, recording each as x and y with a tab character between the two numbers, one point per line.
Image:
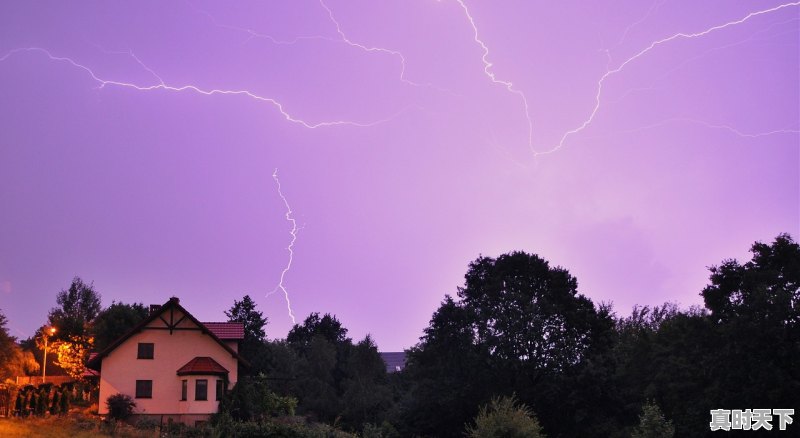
644	51
487	69
193	88
343	39
360	46
666	73
293	232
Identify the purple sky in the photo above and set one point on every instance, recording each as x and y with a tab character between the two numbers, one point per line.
120	163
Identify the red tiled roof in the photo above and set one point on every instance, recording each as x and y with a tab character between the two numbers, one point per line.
202	366
88	372
226	330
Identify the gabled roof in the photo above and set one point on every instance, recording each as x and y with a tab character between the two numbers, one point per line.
202	366
173	303
226	330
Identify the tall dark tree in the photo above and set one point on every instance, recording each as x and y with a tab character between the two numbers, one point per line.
327	327
450	376
114	321
78	305
366	394
755	308
252	346
520	326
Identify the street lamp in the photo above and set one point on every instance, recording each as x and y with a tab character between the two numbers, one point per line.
52	331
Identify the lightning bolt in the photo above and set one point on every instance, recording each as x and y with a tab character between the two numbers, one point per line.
725	127
751	38
487	69
653	45
252	34
655	6
198	90
135	58
293	232
343	39
368	49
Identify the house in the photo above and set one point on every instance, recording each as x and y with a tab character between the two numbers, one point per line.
395	361
175	367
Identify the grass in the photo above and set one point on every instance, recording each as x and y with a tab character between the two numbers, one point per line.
73	426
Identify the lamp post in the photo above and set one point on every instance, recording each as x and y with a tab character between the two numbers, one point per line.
52	331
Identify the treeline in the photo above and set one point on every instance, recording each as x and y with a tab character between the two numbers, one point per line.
519	329
520	352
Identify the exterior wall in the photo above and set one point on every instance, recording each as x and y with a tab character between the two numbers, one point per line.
121	369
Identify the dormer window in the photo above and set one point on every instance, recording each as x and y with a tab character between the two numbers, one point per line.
145	350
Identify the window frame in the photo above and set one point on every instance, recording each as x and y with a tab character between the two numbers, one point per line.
142	353
220	389
141	386
197	391
184	390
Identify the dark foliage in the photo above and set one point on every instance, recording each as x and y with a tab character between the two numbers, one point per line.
520	326
77	307
120	406
252	346
114	321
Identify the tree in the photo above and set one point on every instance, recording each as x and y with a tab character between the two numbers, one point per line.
244	311
328	327
252	400
448	374
114	321
528	313
755	311
13	360
366	396
78	306
71	355
763	290
505	418
652	423
520	326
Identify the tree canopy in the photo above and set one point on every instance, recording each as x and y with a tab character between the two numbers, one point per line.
78	305
244	311
327	327
520	326
13	360
114	321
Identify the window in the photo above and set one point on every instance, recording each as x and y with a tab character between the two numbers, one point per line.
145	350
201	389
184	389
144	389
220	389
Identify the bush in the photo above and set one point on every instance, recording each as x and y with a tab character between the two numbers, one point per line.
120	406
385	430
652	423
63	403
252	400
147	423
504	418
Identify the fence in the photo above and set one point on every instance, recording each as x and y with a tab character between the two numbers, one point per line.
37	380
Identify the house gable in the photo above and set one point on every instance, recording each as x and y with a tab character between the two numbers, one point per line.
173	317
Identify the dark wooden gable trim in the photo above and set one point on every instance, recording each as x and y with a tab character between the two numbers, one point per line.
170	305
